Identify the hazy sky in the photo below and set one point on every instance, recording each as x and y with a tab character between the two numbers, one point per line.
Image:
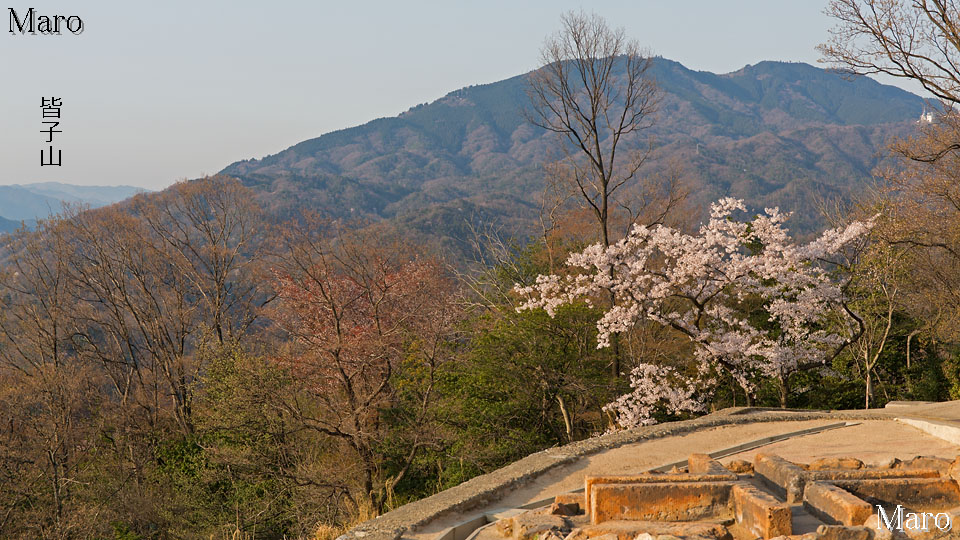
154	92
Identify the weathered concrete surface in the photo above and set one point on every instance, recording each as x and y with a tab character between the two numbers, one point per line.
659	502
875	442
562	469
947	431
760	513
835	505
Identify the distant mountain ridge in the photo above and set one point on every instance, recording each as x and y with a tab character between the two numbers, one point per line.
774	133
29	202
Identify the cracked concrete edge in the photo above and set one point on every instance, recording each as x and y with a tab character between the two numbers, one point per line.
494	485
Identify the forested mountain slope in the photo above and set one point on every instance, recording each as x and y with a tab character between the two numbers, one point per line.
773	133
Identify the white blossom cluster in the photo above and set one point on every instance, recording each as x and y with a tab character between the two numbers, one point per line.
655	387
697	283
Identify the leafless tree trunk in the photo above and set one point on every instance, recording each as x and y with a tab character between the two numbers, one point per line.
910	337
566	417
877	320
595	93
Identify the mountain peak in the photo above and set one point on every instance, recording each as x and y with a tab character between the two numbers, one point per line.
769	132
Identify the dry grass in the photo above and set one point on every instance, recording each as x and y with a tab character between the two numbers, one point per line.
326	531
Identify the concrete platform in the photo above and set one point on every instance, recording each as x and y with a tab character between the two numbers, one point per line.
877	437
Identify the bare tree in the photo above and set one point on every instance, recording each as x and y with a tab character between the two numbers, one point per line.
909	39
917	40
148	285
921	217
877	288
49	401
595	92
208	230
134	313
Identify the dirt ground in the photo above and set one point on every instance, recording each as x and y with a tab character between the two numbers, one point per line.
872	441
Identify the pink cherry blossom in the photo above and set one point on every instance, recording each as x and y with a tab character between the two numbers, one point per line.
710	274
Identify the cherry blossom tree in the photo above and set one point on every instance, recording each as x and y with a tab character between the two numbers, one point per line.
708	287
656	388
369	325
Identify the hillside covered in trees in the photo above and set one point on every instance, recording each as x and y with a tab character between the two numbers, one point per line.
774	134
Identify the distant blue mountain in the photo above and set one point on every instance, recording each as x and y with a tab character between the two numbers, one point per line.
92	195
9	225
29	202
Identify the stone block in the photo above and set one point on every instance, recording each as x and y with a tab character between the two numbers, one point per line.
571	499
630	530
834	463
784	477
532	526
590	481
704	464
954	470
927	462
740	466
926	493
879	531
660	502
760	513
870	474
505	527
835	505
836	532
891	463
564	509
